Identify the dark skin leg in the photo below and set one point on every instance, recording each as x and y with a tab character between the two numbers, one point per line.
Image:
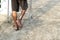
14	15
18	22
20	18
22	14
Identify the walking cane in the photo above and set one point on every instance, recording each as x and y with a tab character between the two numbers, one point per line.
31	9
8	12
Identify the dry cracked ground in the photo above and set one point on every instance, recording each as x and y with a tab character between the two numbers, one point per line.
44	23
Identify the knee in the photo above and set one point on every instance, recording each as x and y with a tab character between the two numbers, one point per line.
23	11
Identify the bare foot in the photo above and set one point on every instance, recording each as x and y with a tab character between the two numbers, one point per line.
19	23
16	27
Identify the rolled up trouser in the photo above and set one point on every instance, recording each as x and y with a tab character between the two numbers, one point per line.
19	3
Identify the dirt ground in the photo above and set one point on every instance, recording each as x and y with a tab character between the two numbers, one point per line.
43	25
